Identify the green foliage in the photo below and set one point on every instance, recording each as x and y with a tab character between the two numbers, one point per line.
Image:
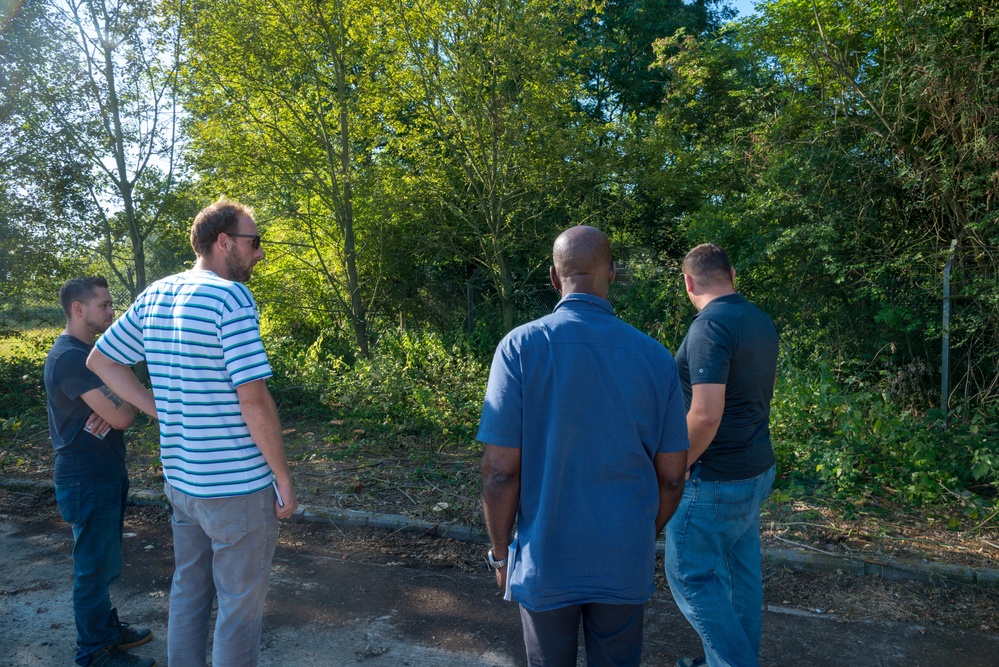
852	443
22	362
415	384
648	294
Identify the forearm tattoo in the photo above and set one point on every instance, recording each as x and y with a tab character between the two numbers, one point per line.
113	397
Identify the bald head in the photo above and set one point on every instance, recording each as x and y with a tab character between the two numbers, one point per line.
582	262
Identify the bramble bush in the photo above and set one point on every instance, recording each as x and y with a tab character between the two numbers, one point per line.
859	443
414	384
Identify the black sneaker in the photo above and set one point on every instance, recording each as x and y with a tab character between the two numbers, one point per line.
691	662
131	637
112	657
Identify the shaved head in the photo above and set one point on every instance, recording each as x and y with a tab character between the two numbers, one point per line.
582	261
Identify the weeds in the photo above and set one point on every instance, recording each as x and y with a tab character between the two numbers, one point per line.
860	444
404	421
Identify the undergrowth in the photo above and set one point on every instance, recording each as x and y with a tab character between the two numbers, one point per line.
836	440
417	384
857	444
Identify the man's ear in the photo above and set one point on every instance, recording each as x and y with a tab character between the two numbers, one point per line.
220	244
556	283
613	272
689	284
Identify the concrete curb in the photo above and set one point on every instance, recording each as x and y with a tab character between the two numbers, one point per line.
796	559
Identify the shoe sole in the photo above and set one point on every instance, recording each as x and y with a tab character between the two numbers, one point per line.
144	640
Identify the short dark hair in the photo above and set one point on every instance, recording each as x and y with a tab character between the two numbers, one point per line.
222	217
708	264
79	289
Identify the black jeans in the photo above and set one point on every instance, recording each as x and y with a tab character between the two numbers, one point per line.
612	632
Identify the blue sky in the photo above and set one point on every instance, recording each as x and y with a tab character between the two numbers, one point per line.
744	6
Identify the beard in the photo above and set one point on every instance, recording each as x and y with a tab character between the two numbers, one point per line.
238	271
98	324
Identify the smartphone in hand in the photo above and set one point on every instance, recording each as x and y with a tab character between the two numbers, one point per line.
89	429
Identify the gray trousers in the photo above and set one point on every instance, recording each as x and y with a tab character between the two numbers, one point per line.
223	547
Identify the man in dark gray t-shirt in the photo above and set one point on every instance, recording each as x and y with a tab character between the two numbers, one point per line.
728	366
86	421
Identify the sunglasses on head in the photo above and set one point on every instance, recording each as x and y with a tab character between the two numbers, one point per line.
255	242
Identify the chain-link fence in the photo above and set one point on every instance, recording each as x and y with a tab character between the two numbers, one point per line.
29	324
30	320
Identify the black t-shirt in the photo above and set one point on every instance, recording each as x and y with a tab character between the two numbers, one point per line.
79	454
734	343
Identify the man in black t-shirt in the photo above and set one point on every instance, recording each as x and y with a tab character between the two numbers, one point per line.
728	367
86	421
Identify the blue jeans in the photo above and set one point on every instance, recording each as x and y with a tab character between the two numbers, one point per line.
713	565
97	514
223	547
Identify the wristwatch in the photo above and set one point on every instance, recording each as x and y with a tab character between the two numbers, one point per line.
496	564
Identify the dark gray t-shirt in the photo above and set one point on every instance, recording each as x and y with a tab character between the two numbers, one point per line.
734	343
79	455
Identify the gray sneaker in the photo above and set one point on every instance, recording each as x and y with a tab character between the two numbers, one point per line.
110	656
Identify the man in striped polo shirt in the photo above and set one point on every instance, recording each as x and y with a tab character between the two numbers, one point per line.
227	476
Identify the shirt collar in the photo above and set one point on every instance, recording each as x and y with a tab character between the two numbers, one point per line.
571	300
722	300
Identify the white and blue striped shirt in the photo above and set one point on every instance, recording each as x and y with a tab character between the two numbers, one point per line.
200	337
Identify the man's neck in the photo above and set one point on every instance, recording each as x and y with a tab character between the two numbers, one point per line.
205	264
80	332
588	286
703	299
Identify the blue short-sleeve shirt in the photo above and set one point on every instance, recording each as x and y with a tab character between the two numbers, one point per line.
589	400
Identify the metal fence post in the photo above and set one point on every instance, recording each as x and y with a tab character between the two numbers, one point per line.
945	352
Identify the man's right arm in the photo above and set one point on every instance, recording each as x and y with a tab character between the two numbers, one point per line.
261	417
110	407
500	499
121	381
670	473
707	405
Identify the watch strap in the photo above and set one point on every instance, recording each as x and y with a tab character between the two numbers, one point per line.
496	564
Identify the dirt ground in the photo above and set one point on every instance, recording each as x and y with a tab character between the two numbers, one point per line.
345	596
334	466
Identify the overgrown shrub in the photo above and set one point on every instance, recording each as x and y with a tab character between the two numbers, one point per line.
859	442
22	363
414	384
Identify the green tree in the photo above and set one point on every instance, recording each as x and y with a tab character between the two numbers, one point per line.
493	139
101	87
836	149
288	105
911	86
616	40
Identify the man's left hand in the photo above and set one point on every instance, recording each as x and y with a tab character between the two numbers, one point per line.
501	578
96	425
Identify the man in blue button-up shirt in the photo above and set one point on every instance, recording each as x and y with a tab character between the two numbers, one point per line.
585	447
